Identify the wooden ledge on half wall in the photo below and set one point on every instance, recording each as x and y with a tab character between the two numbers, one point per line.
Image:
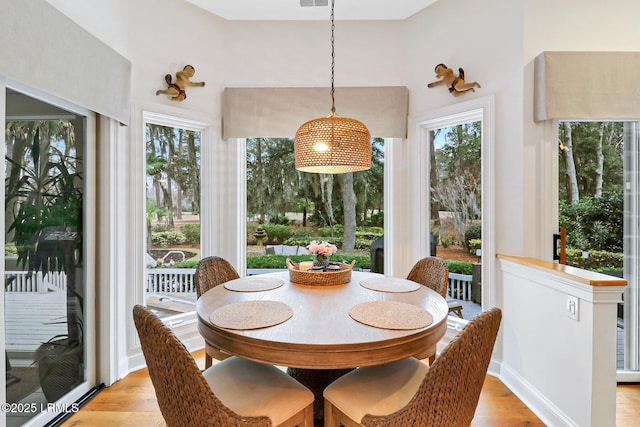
578	274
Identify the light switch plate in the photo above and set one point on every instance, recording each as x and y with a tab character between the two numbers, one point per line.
573	307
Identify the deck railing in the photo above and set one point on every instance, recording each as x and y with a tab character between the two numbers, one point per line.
24	281
175	280
460	286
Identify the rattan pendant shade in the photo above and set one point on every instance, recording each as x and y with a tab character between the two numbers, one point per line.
332	144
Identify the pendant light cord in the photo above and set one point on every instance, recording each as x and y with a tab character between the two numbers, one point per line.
333	61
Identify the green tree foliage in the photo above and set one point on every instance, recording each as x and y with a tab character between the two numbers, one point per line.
456	183
173	169
271	177
191	233
586	139
461	152
274	186
594	223
43	187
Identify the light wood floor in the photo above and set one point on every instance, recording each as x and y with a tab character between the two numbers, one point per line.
131	402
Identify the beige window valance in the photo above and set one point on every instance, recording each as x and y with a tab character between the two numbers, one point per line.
278	112
587	85
44	49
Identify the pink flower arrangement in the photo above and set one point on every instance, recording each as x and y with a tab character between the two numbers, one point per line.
324	248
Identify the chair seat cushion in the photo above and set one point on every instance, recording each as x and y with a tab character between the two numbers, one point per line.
377	390
254	389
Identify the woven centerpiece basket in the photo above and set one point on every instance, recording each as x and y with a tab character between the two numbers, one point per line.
320	278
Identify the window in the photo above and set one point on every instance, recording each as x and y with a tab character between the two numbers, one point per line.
456	146
455	207
287	209
172	215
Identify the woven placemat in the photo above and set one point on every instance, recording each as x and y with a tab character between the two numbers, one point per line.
251	314
253	284
390	315
389	284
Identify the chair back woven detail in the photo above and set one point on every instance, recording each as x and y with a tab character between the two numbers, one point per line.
431	272
449	393
213	271
184	396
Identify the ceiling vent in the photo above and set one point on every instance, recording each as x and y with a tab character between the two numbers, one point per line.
312	3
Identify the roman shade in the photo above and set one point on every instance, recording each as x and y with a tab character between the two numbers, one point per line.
587	85
278	112
59	57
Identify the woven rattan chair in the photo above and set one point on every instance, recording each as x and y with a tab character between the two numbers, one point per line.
234	392
433	273
211	272
410	393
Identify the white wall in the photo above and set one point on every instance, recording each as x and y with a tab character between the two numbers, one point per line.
563	368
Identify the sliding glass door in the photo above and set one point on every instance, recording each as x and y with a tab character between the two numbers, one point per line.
46	297
599	207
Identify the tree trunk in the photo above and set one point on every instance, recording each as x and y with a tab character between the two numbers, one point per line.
600	155
178	186
326	185
567	154
304	214
349	209
260	181
434	182
195	202
169	193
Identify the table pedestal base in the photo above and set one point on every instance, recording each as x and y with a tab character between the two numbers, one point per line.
317	380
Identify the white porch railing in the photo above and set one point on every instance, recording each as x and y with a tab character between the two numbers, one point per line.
158	280
161	280
176	280
460	286
24	281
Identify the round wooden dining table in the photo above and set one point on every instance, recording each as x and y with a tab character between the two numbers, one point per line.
319	340
320	332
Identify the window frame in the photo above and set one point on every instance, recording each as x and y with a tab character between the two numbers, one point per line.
480	109
183	324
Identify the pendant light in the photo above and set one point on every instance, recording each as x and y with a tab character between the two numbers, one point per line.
333	144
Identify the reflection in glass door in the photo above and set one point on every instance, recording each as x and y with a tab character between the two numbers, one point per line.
44	266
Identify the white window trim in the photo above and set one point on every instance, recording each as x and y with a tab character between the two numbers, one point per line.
184	325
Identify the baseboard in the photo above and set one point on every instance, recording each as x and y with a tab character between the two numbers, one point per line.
544	409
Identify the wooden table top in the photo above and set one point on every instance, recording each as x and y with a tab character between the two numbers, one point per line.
321	334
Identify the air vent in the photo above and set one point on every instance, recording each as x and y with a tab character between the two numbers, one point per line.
312	3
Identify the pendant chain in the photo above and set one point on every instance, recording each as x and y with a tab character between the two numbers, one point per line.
333	60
